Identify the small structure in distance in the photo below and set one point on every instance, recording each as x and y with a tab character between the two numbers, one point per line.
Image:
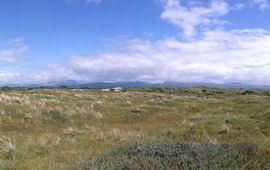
115	89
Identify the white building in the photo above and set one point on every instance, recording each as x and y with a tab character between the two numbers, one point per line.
115	89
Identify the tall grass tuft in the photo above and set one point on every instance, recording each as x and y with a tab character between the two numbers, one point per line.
8	145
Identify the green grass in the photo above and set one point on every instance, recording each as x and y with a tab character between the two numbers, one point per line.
58	128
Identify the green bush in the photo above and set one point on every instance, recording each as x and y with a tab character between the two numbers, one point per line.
174	155
6	88
247	92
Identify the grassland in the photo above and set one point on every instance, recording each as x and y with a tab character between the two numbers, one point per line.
60	128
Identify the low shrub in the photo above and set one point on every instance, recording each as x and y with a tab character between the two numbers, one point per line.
175	155
247	92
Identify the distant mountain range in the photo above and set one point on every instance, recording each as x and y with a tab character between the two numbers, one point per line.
138	84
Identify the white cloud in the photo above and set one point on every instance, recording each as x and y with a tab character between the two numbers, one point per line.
16	52
188	19
219	56
238	6
7	77
263	4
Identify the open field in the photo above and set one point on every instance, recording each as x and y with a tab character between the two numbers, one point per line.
60	128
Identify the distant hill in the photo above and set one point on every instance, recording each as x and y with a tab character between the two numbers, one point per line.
139	84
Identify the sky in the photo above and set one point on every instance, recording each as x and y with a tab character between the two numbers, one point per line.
213	41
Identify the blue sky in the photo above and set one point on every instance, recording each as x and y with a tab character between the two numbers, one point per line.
126	40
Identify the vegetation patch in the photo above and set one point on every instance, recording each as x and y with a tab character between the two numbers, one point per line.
54	117
43	128
176	155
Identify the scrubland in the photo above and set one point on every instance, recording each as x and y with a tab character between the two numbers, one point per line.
83	128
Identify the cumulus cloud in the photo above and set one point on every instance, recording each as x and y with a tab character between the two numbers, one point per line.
263	4
189	18
219	56
15	52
